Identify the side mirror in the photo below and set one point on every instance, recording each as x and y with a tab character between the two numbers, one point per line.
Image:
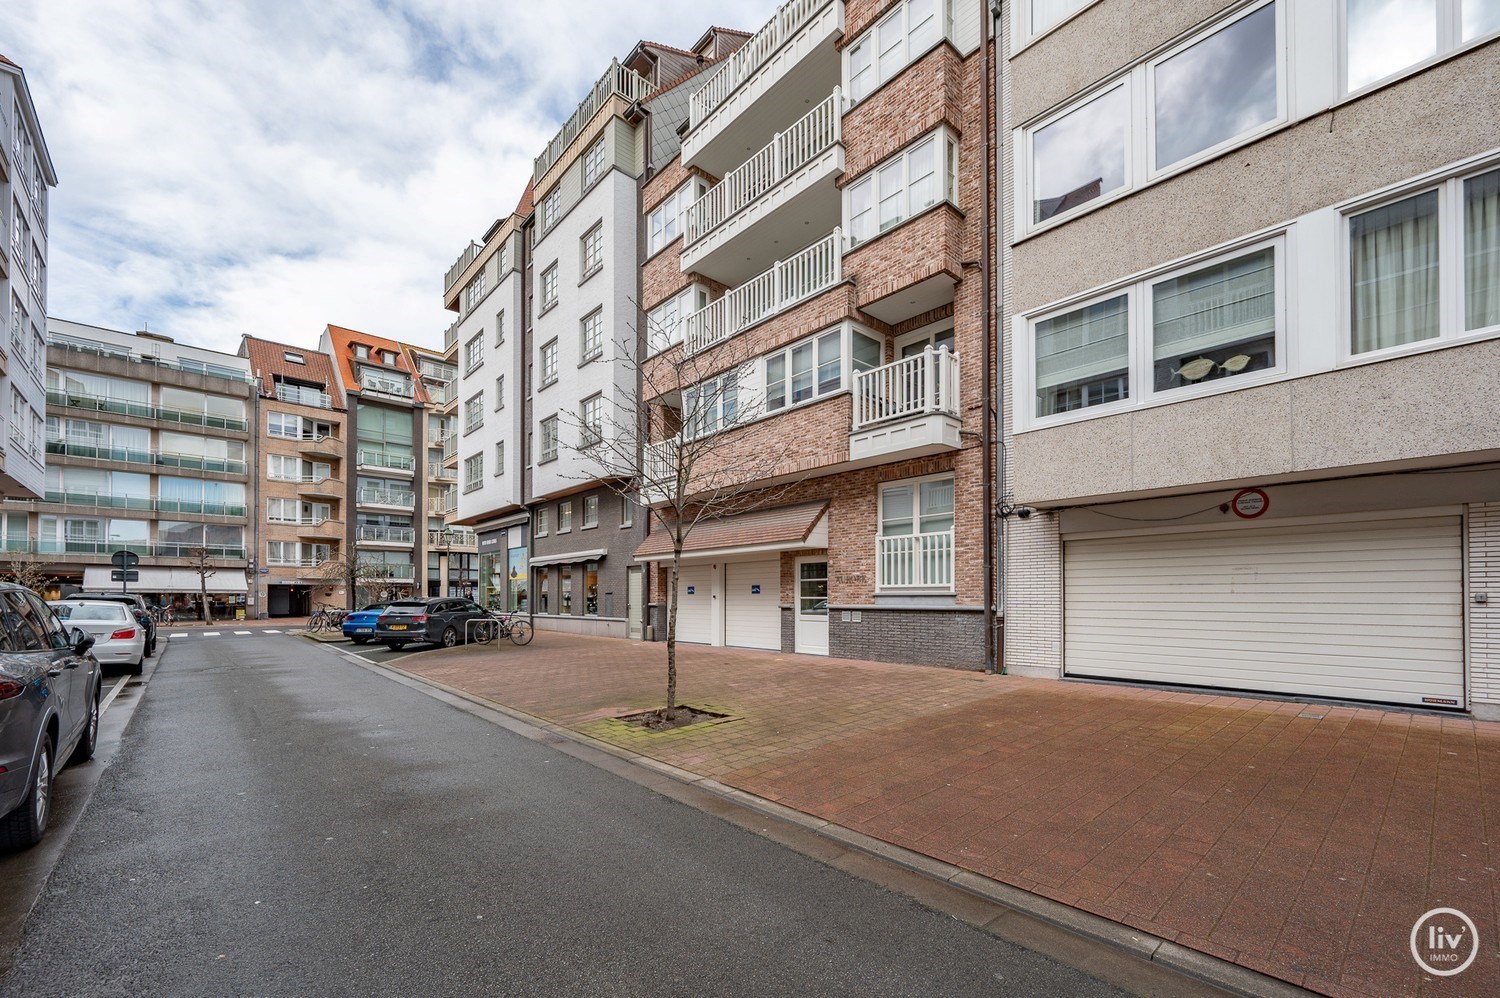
82	641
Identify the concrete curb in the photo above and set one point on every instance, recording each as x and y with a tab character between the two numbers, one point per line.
1220	975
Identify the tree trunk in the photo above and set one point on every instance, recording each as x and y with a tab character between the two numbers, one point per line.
208	616
672	635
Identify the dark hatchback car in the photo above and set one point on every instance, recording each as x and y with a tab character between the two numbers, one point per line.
49	710
442	621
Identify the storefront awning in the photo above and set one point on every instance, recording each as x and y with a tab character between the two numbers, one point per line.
568	557
169	580
785	528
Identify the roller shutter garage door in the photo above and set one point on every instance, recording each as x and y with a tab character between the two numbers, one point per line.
1359	610
695	605
752	619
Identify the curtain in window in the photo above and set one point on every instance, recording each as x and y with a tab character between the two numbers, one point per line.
1482	251
936	506
1394	274
1078	351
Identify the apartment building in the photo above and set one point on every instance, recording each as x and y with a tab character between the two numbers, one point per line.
1251	336
26	179
451	559
814	286
386	412
301	446
486	428
149	449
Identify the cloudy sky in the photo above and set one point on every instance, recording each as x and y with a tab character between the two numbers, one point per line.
270	166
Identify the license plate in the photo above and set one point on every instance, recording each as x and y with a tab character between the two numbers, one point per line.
363	630
398	627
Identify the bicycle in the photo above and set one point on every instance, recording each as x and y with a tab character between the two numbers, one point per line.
162	615
509	625
326	618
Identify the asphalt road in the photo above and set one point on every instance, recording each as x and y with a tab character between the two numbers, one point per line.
280	821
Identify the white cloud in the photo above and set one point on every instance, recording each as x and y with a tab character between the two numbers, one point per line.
270	167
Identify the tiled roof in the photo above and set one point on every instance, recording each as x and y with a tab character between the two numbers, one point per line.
8	62
785	525
524	206
343	348
268	361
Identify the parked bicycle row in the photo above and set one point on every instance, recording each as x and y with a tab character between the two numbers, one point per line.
445	621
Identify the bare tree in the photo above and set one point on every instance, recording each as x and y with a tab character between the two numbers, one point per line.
697	464
30	575
364	580
200	561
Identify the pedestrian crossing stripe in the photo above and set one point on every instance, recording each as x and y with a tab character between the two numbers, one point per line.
242	632
210	634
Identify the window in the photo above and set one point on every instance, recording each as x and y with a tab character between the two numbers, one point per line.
542	519
500	327
1383	39
1398	277
1215	322
1219	89
1035	16
473	353
499	392
293	358
915	548
499	458
473	471
922	508
591	335
549	439
474	412
905	185
551	208
593	162
711	406
549	363
805	371
590	512
903	36
591	589
1083	357
591	250
285	425
549	287
665	223
564	517
666	322
474	292
627	512
591	419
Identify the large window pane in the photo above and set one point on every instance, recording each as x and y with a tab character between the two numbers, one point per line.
936	499
1082	357
1386	36
1394	274
1480	17
892	191
896	511
922	28
802	372
1223	86
861	211
1482	251
830	371
1215	323
1045	13
922	169
1080	156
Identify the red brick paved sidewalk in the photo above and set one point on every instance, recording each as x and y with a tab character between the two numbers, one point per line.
1301	841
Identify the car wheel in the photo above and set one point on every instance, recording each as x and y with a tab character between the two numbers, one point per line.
359	639
450	637
84	751
25	825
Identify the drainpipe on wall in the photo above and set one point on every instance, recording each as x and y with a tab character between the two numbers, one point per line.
986	284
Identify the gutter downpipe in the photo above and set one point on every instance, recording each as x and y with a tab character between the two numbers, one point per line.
986	284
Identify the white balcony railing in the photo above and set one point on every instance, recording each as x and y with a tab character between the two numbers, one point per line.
616	80
384	459
450	447
452	539
918	385
810	271
384	497
398	573
283	561
914	561
386	535
660	462
302	395
436	472
745	60
784	155
399	387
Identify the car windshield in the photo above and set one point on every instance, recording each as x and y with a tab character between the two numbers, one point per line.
377	606
406	608
96	611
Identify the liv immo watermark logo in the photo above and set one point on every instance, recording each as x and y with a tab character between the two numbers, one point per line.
1444	942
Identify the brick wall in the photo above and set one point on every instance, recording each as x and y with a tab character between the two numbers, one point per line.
1484	618
935	90
947	638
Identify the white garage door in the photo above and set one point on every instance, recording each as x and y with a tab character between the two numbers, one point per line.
1369	610
695	607
752	604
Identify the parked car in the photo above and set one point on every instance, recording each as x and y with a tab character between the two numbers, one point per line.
119	639
441	620
139	606
359	626
49	710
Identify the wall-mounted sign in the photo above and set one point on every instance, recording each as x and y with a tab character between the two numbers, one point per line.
754	589
692	589
1247	504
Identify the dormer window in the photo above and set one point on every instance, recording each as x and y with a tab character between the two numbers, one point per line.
294	358
361	351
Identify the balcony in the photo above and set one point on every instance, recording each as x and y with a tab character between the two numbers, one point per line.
280	561
452	539
915	561
141	410
185	364
441	393
438	473
445	504
385	462
617	81
320	528
382	385
96	547
385	536
746	99
908	408
303	395
808	272
95	448
730	230
318	486
450	449
385	498
392	573
322	445
454	273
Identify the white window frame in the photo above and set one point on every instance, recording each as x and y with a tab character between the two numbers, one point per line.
550	441
690	299
672	209
474	411
548	364
763	369
869	36
1449	39
474	291
499	458
474	352
565	516
588	350
542	527
593	162
1137	80
915	484
548	282
946	145
473	471
500	328
741	416
1451	290
1025	29
587	522
499	392
591	427
591	250
551	209
627	512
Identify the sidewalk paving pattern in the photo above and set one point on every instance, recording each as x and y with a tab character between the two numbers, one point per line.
1299	840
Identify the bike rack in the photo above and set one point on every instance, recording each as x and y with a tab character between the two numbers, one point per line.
486	633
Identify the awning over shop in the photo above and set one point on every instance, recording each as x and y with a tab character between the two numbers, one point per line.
785	528
568	557
169	580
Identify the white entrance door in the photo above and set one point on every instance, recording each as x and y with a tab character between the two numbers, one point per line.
1357	609
752	604
812	606
695	605
633	608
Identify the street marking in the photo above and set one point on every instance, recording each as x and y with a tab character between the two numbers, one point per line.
114	691
270	631
179	634
242	632
210	634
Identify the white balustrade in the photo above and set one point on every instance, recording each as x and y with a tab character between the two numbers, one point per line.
811	271
746	59
914	561
918	385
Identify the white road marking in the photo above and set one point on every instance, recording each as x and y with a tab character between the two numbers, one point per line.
211	634
270	631
114	691
179	634
242	632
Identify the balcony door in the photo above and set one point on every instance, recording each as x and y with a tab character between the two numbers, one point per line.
915	343
812	606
